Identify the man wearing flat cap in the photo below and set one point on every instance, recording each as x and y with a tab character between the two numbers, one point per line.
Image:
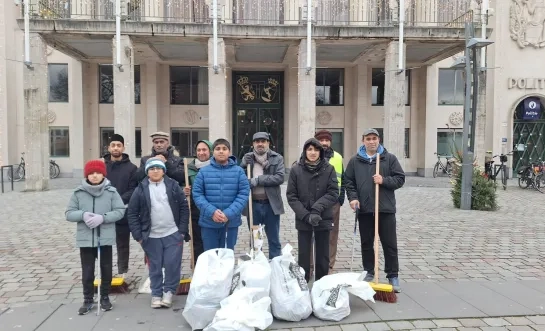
168	154
336	160
267	174
360	178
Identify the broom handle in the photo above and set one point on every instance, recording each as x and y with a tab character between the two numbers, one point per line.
377	172
250	212
189	221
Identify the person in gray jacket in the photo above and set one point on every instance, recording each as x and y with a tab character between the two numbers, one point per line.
95	206
267	174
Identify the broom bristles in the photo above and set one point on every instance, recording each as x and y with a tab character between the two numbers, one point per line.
389	297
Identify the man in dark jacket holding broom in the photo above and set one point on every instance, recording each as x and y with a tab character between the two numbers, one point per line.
360	178
203	150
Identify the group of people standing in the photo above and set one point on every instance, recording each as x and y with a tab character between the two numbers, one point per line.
117	199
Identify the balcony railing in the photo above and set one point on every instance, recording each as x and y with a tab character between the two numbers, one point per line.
423	13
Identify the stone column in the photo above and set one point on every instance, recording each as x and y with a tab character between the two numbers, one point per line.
394	103
480	129
306	98
36	126
152	86
218	117
3	88
124	94
79	126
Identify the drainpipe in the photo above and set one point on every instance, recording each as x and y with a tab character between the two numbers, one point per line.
28	63
401	8
484	21
118	34
309	33
215	34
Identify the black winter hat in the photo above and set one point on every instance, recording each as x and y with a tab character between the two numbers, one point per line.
117	137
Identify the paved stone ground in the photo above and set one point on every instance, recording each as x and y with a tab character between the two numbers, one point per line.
38	261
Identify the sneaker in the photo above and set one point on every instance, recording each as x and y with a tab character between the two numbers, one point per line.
369	277
105	304
167	299
394	281
86	307
156	302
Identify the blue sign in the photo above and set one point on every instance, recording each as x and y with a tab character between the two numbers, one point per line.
532	109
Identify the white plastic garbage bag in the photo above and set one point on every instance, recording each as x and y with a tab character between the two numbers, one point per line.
290	296
330	299
254	273
210	284
242	312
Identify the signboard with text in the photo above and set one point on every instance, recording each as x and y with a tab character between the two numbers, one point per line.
532	109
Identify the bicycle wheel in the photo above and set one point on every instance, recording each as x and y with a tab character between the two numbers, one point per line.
449	169
51	170
537	183
18	174
435	169
504	177
56	169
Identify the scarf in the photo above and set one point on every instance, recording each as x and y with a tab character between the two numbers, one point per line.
312	166
262	159
200	164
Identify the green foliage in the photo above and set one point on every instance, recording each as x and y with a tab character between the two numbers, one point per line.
483	191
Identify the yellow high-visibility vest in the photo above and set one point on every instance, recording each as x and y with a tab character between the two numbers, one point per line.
337	162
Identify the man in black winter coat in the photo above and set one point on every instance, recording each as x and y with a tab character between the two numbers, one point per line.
166	153
121	173
312	191
360	178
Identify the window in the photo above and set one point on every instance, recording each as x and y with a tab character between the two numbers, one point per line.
407	140
59	141
378	86
58	82
329	87
106	83
338	139
451	87
106	133
184	140
448	142
188	86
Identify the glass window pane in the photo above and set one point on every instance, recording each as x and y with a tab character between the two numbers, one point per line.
105	134
202	86
106	83
447	87
138	142
137	85
59	142
58	82
329	87
337	143
408	88
378	80
180	85
460	88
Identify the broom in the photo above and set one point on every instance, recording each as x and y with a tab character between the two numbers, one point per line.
384	292
185	283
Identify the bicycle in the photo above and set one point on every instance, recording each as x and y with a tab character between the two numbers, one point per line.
20	172
537	176
446	168
493	174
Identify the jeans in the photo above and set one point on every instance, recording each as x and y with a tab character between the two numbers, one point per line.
165	253
388	238
263	214
88	256
213	238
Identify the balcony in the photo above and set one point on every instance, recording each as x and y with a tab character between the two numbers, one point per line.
370	13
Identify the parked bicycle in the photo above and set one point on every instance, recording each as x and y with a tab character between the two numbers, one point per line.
492	170
534	176
19	172
446	168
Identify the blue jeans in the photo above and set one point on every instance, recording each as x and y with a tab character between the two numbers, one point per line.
263	214
213	238
165	253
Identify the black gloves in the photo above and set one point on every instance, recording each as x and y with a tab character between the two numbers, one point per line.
341	201
248	158
314	219
187	237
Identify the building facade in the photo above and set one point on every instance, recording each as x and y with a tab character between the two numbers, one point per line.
265	75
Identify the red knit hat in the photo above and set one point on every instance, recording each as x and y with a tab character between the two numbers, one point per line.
94	166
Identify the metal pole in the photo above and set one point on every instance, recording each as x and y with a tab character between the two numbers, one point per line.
118	33
27	33
309	33
401	26
467	162
215	34
474	99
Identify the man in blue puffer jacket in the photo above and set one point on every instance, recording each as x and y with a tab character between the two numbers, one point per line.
221	191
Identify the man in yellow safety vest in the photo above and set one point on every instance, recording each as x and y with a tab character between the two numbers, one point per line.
336	160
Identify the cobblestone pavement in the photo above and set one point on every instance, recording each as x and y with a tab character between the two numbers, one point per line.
515	323
39	261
